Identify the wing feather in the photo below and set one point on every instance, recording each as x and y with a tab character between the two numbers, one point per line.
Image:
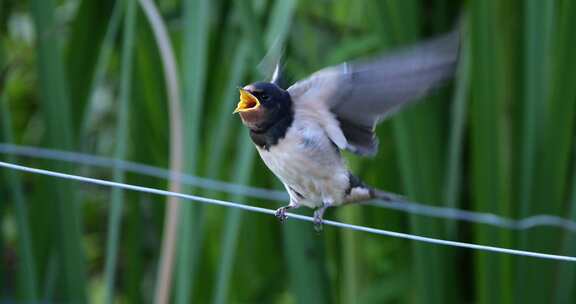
362	93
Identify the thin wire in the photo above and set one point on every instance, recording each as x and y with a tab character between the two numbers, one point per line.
104	162
479	217
409	207
291	215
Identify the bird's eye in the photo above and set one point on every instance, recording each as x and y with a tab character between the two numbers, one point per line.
265	97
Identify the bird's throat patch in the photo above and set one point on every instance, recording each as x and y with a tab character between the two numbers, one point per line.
273	134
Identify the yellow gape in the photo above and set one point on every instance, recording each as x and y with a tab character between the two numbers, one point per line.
247	102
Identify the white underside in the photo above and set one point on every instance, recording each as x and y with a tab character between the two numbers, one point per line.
306	161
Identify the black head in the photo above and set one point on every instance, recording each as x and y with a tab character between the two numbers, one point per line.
263	104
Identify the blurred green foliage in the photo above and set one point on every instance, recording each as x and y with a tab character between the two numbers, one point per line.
499	139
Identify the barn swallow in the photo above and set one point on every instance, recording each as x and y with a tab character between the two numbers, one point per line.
300	131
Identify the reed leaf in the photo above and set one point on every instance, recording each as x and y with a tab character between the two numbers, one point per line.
172	215
121	151
103	61
150	113
306	258
56	110
453	182
538	23
27	271
279	23
83	48
490	166
232	226
567	273
420	165
194	64
554	153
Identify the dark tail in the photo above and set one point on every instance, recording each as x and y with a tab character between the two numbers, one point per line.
387	196
356	183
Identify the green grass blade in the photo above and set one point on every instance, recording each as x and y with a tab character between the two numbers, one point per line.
117	195
242	172
55	106
453	182
350	256
567	273
250	28
27	270
52	68
306	257
226	76
150	147
560	113
50	276
3	76
84	44
554	153
3	205
351	242
195	57
490	158
537	22
421	163
280	19
279	22
223	123
163	286
102	62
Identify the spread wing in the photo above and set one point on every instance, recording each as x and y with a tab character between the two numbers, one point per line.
362	93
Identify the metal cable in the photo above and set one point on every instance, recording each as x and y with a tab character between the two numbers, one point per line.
290	215
404	206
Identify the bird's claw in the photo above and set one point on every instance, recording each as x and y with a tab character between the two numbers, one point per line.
318	220
281	214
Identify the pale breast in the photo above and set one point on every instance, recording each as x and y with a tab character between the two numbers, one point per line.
308	162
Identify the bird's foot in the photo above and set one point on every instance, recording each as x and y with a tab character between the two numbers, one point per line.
318	214
281	213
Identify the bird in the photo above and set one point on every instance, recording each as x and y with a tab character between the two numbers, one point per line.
300	131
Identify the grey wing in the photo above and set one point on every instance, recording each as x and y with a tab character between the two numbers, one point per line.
364	92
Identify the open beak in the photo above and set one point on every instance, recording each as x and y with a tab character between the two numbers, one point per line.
248	102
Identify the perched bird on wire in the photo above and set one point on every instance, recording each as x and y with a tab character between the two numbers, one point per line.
300	131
